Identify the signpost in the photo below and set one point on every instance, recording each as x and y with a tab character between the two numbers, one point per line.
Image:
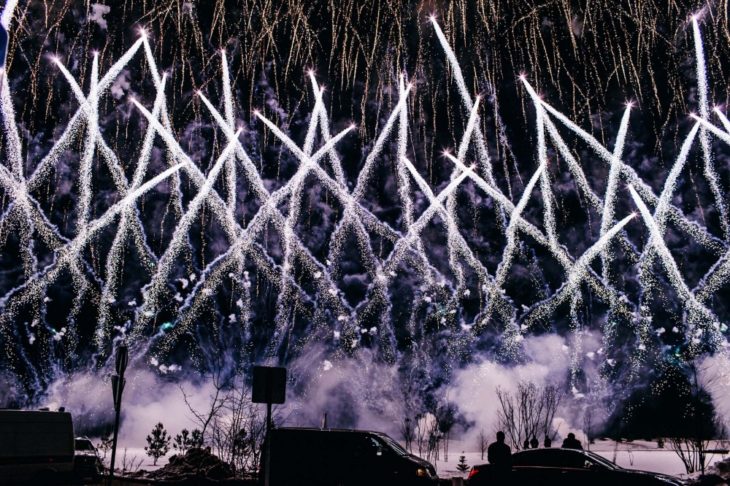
269	386
118	382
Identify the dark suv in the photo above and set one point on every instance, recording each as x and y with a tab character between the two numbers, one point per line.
567	467
87	465
333	457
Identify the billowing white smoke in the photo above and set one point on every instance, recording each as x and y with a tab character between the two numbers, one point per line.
714	378
354	392
148	399
473	388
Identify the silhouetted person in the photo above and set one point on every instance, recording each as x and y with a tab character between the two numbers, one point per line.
547	442
499	456
571	442
534	443
526	445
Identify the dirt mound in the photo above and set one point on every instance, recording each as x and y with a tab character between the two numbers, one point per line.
195	463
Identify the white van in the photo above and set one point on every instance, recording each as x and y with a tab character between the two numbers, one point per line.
36	447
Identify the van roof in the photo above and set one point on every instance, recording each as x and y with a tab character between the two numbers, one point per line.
25	416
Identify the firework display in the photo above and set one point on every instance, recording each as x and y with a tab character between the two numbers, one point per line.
234	182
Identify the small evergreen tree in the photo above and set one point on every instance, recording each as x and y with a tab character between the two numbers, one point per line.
462	466
158	443
186	440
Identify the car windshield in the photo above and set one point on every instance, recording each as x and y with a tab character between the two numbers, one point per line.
393	445
601	460
84	445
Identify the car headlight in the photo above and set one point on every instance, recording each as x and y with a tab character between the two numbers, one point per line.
422	472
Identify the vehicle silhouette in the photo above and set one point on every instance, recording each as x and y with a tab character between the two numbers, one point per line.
566	467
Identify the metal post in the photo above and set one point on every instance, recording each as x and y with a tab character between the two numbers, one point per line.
267	463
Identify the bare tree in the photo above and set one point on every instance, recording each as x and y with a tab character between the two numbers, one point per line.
217	403
407	433
130	464
446	418
232	425
528	412
483	442
427	436
239	431
693	444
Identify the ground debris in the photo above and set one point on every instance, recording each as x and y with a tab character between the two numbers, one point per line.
195	463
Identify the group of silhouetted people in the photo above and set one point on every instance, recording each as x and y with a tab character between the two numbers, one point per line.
499	454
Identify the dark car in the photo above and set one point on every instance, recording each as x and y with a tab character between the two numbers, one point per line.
87	465
336	457
567	467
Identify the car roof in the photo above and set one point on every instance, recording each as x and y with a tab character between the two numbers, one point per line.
550	450
316	429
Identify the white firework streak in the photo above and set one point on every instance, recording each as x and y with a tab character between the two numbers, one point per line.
129	216
41	172
363	177
576	350
404	185
226	218
709	168
578	273
665	199
412	235
573	165
290	237
7	16
566	261
453	233
90	108
542	159
363	240
510	247
461	246
87	157
241	239
14	147
34	219
699	233
324	130
228	108
543	122
576	170
94	140
482	150
153	291
716	276
723	119
545	187
338	189
67	255
25	217
285	305
646	259
406	242
699	315
609	201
